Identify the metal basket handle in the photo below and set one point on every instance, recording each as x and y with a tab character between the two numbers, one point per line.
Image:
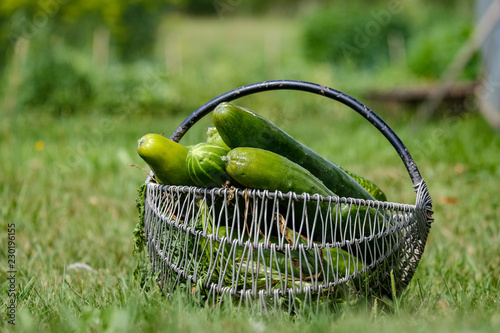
413	221
314	88
423	198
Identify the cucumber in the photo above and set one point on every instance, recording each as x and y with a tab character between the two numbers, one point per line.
336	262
370	186
205	166
240	127
262	169
213	136
166	158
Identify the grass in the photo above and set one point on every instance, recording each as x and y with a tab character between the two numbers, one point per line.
73	204
68	187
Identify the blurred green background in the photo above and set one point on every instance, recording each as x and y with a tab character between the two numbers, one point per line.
63	57
82	81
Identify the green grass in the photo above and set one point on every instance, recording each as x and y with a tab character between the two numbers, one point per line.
73	202
67	185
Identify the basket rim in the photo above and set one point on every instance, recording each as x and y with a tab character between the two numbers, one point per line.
221	191
409	217
408	210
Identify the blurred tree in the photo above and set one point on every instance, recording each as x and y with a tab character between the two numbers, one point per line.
362	33
58	35
430	53
356	32
132	24
228	7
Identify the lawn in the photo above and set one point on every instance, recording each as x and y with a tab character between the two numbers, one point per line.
68	187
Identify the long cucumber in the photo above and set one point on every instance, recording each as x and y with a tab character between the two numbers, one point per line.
369	186
240	127
262	169
326	264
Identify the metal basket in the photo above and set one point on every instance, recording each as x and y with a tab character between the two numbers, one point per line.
284	250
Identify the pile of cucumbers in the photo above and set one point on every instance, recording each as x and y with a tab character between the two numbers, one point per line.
246	150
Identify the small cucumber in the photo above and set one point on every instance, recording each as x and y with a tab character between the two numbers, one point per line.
213	136
240	127
166	158
205	165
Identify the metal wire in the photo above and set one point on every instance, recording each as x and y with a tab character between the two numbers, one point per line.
273	250
262	248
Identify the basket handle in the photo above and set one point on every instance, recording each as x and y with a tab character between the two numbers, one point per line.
357	106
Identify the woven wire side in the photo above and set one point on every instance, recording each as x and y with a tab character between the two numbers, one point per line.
419	231
270	249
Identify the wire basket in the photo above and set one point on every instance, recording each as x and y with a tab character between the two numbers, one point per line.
284	250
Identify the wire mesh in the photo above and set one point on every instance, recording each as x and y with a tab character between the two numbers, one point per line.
284	250
281	250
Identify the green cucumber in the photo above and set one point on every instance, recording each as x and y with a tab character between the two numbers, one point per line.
166	158
262	169
370	186
213	136
205	166
240	127
336	262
